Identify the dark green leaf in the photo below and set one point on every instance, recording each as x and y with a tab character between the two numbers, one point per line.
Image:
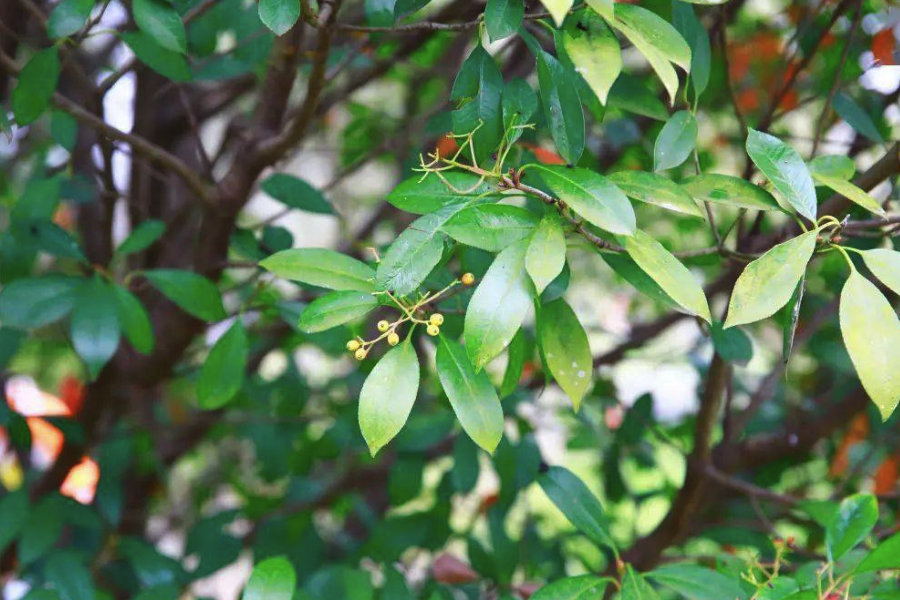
70	577
515	364
69	17
193	293
697	583
562	107
731	344
635	587
856	117
135	320
35	87
577	503
279	15
296	193
64	129
690	28
631	94
160	22
565	349
38	301
380	13
503	17
142	237
582	587
477	95
519	104
167	63
222	373
336	309
95	327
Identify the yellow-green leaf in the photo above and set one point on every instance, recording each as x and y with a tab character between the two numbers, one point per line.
565	349
558	9
592	196
849	191
885	265
546	253
657	190
388	395
595	52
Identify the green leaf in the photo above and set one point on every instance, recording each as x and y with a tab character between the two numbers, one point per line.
675	141
565	349
766	284
388	395
135	320
69	17
222	373
628	270
865	310
604	8
69	576
296	193
381	13
558	9
783	166
673	277
562	107
35	86
498	306
414	253
594	50
790	318
885	265
577	503
192	293
631	94
725	189
53	239
94	327
546	255
64	129
515	364
833	165
160	22
471	394
491	227
582	587
336	309
37	301
322	268
685	21
279	15
502	18
142	237
477	92
519	104
168	63
635	586
592	196
854	520
271	579
428	195
697	583
657	190
850	192
885	556
856	117
41	531
731	344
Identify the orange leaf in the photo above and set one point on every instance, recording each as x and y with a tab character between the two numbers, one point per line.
883	46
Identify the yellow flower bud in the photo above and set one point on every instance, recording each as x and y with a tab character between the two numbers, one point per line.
383	326
393	338
353	345
433	330
468	279
361	354
437	319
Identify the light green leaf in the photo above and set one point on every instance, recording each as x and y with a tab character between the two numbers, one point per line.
491	227
783	166
498	306
594	50
558	9
565	349
604	8
725	189
657	190
854	520
885	556
675	141
503	17
336	309
279	15
850	192
35	86
592	196
768	282
635	587
322	268
167	63
672	276
296	193
423	196
628	270
833	165
581	587
161	22
546	255
885	265
856	117
69	17
37	301
222	374
193	293
562	107
471	394
477	92
577	503
135	320
142	237
863	312
388	395
271	579
94	327
696	583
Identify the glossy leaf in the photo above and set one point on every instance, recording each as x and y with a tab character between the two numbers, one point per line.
271	579
35	86
592	196
604	8
142	237
594	50
193	293
865	310
657	190
471	394
628	270
630	94
558	9
565	349
766	284
94	327
546	255
423	196
856	117
161	22
498	306
725	189
168	63
296	193
672	276
336	309
477	92
790	319
37	301
854	520
697	583
885	556
135	320
69	17
850	192
577	503
519	105
675	141
784	167
688	25
279	15
833	165
491	227
635	586
222	374
322	268
503	17
581	587
885	265
388	395
562	107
